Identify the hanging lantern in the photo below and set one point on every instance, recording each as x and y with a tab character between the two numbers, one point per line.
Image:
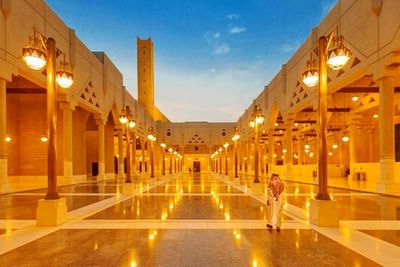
64	76
123	118
43	138
34	54
339	55
345	138
310	75
132	123
8	138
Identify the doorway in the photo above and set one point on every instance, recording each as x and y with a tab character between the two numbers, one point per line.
196	166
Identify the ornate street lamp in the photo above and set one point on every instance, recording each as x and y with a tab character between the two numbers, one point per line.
235	139
41	52
152	138
123	118
331	52
257	118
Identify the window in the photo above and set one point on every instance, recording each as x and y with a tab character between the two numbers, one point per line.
196	148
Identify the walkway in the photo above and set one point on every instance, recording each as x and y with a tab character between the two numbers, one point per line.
196	221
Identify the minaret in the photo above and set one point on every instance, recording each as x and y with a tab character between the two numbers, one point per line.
145	77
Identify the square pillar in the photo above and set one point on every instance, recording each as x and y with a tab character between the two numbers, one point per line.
133	166
67	141
120	153
352	150
387	181
3	133
289	149
101	148
270	150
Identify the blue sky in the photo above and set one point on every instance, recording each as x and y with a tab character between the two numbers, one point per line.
212	57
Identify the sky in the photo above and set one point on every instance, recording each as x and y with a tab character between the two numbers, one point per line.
211	57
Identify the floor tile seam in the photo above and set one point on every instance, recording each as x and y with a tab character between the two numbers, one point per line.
62	185
177	225
380	239
66	194
119	200
19	237
367	247
294	217
371	224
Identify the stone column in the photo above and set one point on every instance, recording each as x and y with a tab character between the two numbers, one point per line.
121	164
101	148
387	181
142	144
289	149
3	133
371	142
67	142
270	157
352	150
133	168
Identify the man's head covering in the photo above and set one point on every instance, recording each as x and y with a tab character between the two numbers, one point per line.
276	185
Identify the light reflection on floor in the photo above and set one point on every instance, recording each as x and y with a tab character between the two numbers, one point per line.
186	221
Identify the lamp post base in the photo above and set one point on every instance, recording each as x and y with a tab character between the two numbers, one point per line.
324	213
51	212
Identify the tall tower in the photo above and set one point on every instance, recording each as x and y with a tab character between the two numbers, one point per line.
145	69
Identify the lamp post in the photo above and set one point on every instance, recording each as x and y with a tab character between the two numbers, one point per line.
40	52
163	146
152	138
235	138
257	118
331	52
226	145
128	123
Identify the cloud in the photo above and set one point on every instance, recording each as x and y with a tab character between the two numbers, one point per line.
214	40
235	30
233	16
186	95
222	48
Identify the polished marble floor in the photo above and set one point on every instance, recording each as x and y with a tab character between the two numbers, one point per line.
206	220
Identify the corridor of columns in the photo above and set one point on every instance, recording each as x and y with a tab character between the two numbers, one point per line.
94	173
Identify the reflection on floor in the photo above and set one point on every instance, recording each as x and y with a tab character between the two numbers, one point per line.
203	220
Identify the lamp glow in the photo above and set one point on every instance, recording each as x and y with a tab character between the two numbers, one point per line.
8	138
64	79
34	58
338	57
132	124
345	138
44	138
310	77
